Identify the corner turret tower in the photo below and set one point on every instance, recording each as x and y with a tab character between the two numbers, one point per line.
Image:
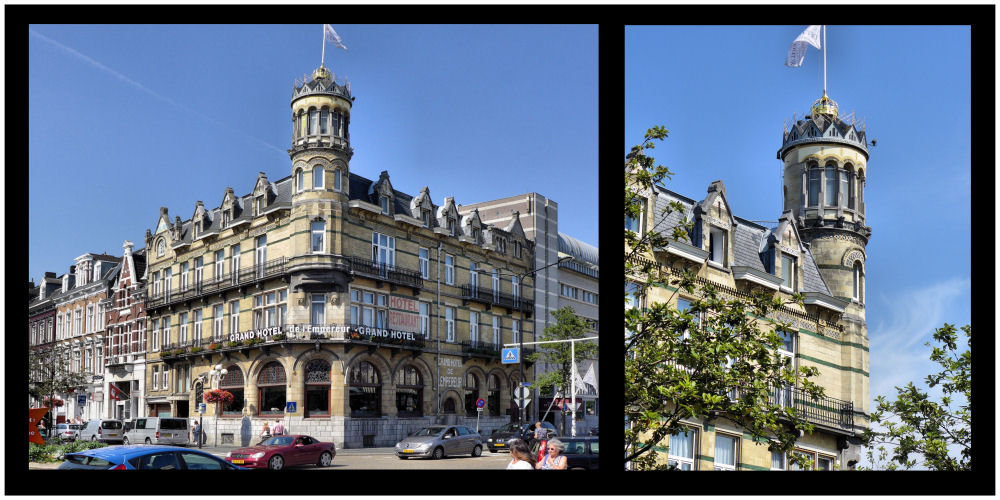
825	161
321	117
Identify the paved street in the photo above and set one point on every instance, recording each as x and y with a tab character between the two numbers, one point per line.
380	458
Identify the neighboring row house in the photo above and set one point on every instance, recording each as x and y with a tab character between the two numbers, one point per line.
125	340
41	325
355	312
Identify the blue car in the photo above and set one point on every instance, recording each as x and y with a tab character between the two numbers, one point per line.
136	456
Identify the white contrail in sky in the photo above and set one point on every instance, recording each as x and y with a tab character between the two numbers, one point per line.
150	91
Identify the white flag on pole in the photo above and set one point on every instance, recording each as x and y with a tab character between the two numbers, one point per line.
579	381
797	51
590	378
332	36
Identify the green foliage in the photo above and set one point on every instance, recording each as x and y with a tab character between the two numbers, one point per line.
52	451
917	426
712	361
49	373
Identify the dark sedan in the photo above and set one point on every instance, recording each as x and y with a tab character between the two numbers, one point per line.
581	452
500	438
279	452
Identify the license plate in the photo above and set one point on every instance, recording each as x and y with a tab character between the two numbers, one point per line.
238	461
112	434
167	434
498	445
407	451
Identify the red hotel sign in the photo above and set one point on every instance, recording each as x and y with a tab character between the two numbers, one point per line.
401	314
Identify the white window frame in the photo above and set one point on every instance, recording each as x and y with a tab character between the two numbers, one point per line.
515	329
234	265
788	282
735	450
449	321
156	377
234	316
322	236
182	321
496	329
425	319
165	339
783	460
449	269
318	184
156	335
717	245
473	277
682	460
220	264
637	222
384	204
474	327
425	263
336	180
383	250
218	321
197	318
185	272
317	300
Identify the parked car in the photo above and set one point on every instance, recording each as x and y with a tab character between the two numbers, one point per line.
500	439
67	432
279	452
104	430
159	430
436	441
581	452
134	456
593	431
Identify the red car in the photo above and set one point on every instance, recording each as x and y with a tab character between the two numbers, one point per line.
279	452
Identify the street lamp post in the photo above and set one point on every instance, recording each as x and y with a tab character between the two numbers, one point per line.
520	334
216	375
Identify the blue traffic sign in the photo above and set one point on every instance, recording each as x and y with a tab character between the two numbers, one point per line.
290	407
509	355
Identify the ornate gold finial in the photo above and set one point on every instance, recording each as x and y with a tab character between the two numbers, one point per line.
321	73
824	105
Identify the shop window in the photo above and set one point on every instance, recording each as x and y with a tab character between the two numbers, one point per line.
471	393
271	389
365	391
317	389
232	381
409	392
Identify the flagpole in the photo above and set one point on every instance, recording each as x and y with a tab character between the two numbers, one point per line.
824	59
322	58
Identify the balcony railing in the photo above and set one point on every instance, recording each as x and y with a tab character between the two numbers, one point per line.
826	411
392	274
227	281
476	347
496	298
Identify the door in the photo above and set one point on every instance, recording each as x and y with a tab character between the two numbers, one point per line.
451	443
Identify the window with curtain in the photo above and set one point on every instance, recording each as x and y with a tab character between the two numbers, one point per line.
831	185
312	121
681	450
777	460
725	452
324	118
843	187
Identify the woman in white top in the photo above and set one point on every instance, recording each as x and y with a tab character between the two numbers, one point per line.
554	460
520	457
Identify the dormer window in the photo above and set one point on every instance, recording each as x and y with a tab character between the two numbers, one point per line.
717	246
517	249
451	226
788	271
427	219
501	246
635	223
318	177
258	205
197	228
384	200
475	236
160	246
225	218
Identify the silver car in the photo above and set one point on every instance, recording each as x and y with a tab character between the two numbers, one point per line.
436	441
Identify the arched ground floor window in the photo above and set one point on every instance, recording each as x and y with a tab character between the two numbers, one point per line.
233	382
272	390
317	389
365	391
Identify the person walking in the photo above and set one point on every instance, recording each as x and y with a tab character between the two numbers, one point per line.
265	432
197	433
554	460
279	428
520	456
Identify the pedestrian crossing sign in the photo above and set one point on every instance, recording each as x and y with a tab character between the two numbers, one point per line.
510	355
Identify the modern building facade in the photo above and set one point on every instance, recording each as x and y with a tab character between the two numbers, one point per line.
350	310
573	283
817	249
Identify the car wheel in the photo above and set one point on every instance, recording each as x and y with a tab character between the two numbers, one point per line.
477	451
93	438
401	457
276	463
148	441
125	441
438	453
325	459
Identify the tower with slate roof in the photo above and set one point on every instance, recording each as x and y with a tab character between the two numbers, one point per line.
825	161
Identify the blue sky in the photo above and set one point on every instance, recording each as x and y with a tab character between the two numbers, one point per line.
724	94
126	119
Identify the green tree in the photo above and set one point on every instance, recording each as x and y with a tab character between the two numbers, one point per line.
712	361
49	373
917	427
567	326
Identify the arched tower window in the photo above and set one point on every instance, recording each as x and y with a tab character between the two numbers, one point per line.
831	184
850	186
843	188
313	115
409	392
814	173
336	179
366	391
324	119
336	123
271	389
317	388
233	382
302	123
318	177
861	191
300	180
859	276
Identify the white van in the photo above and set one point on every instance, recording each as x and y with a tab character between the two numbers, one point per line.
159	430
104	430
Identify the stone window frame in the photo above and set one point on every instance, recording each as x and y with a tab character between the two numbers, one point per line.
402	380
737	440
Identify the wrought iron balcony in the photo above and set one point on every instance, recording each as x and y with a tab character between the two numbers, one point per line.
395	275
830	412
227	281
496	298
481	348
